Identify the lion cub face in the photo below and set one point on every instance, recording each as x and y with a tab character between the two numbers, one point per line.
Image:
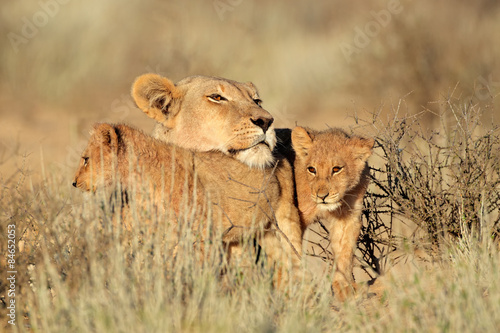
98	160
206	113
331	163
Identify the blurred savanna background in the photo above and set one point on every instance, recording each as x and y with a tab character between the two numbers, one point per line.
67	64
377	67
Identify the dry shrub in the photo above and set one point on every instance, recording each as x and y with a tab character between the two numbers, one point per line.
443	180
429	185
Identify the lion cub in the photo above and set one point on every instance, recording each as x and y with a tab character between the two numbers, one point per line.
240	201
331	176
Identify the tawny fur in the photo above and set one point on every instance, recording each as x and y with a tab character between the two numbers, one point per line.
207	113
332	176
241	199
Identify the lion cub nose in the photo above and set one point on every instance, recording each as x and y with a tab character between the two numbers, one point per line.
262	122
74	183
322	196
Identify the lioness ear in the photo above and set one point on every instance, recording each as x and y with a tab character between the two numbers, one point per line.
363	148
107	135
301	141
154	94
252	86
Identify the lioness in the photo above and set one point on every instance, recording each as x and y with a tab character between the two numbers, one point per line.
244	201
331	176
206	113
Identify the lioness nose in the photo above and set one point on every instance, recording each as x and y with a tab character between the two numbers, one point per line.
74	183
262	122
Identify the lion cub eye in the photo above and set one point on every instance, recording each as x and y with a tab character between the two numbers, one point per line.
216	98
311	170
85	161
336	169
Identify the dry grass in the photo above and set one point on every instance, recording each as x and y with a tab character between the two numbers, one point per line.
79	270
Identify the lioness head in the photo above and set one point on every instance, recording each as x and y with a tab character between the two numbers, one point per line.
331	162
207	113
96	165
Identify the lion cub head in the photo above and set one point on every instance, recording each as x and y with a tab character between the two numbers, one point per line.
98	159
329	168
207	113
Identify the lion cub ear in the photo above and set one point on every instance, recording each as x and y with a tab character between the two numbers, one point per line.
364	148
107	135
302	140
154	94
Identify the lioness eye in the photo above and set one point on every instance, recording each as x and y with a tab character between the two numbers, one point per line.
336	169
85	161
312	170
258	101
216	98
